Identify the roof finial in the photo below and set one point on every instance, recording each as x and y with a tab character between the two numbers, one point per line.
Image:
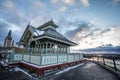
29	23
51	20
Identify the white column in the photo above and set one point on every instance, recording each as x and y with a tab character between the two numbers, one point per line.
43	49
63	48
51	50
60	48
39	46
53	47
66	49
35	47
69	49
46	47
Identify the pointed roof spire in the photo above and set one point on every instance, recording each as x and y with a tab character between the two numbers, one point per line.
51	19
9	37
29	23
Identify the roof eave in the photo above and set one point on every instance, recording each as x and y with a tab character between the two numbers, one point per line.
20	43
69	43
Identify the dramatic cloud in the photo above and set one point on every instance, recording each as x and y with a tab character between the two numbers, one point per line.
54	1
63	9
39	20
3	27
68	1
11	13
8	4
86	26
38	3
6	26
85	2
116	1
88	35
108	48
106	30
75	34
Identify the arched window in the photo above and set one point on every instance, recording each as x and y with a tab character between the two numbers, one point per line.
48	45
32	45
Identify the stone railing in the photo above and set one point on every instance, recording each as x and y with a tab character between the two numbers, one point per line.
46	59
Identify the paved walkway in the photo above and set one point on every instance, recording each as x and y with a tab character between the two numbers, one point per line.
87	71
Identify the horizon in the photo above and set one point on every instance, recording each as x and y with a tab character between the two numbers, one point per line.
88	23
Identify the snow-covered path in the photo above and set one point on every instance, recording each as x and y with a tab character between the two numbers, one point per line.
86	71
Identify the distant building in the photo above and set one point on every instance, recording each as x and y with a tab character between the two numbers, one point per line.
8	40
9	44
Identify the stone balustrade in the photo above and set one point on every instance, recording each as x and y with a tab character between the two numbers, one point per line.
47	59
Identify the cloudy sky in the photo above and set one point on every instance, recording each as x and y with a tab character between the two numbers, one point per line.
89	23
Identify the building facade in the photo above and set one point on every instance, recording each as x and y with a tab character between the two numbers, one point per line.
45	39
8	40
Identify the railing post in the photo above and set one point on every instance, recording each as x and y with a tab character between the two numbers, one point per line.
74	55
103	61
23	56
41	58
29	55
114	64
98	58
67	57
93	58
57	58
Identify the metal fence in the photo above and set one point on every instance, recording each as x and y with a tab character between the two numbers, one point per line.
111	60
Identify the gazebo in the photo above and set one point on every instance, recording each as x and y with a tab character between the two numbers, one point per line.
45	46
45	39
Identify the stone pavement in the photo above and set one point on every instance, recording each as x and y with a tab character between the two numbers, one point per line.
87	71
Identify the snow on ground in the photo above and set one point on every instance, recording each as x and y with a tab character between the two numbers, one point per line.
18	69
37	66
69	68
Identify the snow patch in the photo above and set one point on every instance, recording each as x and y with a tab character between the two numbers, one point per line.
35	31
3	63
18	69
39	32
35	34
69	68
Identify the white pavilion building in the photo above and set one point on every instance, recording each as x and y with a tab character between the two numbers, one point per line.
45	46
